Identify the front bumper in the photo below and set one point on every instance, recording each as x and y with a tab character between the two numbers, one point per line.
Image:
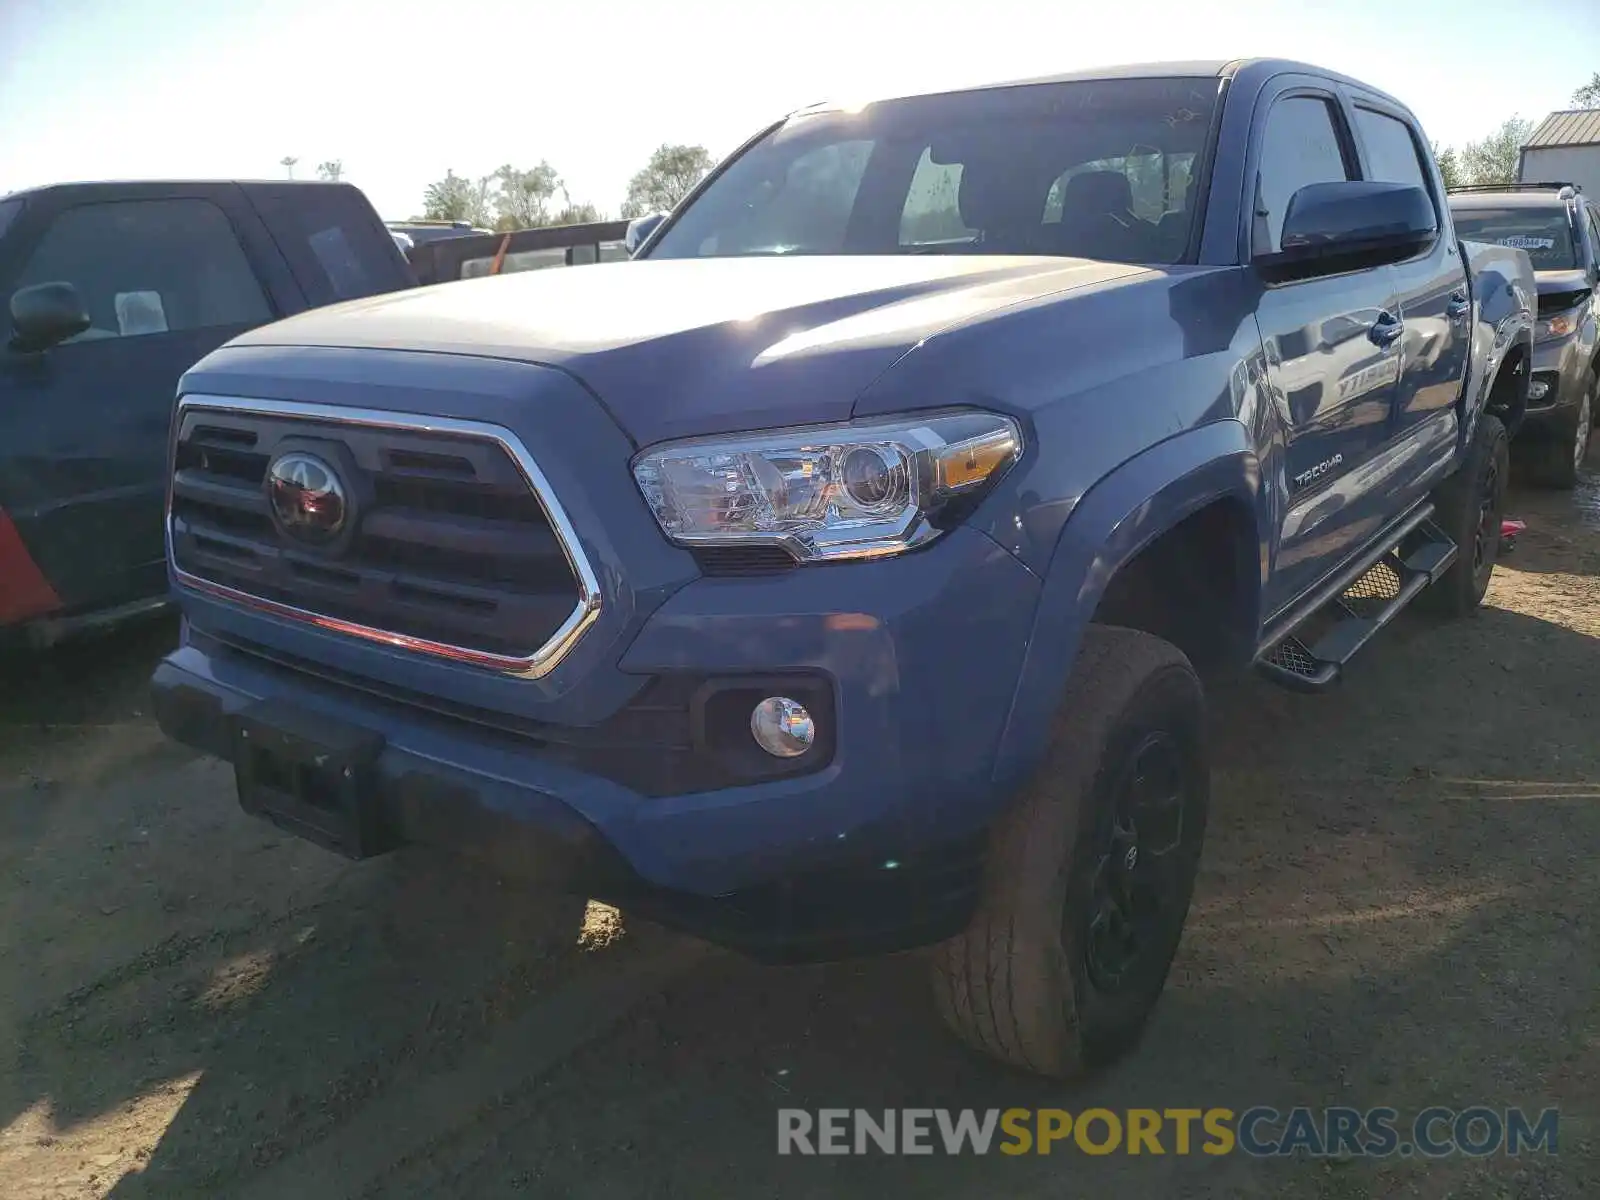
1559	365
878	849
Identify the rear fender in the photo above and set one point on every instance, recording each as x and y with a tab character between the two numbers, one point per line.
1116	519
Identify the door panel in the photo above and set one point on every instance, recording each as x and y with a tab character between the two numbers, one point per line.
1333	355
85	428
1434	306
84	425
1333	387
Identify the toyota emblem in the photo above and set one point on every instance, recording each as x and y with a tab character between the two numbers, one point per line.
307	497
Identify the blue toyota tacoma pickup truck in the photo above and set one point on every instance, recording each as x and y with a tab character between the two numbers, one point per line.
839	575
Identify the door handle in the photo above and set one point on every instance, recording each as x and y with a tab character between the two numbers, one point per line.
1459	305
1386	330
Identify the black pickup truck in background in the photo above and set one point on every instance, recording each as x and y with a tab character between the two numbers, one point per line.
112	291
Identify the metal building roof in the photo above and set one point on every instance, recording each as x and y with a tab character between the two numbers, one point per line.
1575	127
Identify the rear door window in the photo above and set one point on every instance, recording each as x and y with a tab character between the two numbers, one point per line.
145	267
1158	184
337	247
1392	155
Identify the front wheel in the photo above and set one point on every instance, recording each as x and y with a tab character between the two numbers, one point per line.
1090	875
1469	506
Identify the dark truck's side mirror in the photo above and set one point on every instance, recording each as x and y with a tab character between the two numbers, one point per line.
1338	226
45	315
640	229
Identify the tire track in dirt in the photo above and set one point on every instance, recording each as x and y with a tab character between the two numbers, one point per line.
407	1126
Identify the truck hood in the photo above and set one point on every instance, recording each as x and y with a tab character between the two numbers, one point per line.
687	347
1553	283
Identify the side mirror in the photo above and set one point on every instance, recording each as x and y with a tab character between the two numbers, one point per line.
1336	226
639	229
45	315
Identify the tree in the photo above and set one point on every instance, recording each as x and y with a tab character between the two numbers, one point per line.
1494	159
577	214
1588	96
332	171
666	179
457	198
287	162
1449	165
511	198
522	199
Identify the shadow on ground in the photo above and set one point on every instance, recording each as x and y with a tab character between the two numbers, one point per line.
65	695
266	1026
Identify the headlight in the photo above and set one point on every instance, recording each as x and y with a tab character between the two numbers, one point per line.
1559	326
827	492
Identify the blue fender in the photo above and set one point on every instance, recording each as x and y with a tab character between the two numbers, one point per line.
1116	519
1504	301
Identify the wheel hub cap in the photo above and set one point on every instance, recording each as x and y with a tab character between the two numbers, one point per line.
1134	882
1487	535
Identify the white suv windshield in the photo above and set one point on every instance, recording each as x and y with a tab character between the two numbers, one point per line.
1545	233
1097	168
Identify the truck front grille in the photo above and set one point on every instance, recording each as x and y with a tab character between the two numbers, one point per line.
451	541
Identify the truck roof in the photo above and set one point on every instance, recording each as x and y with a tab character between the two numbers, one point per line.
123	187
1263	68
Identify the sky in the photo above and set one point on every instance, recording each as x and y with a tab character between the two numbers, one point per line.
402	91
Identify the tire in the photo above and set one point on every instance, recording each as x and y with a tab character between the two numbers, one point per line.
1555	463
1032	981
1468	506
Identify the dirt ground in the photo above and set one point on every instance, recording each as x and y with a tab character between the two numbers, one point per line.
1395	909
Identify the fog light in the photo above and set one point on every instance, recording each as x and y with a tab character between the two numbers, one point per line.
782	727
1538	389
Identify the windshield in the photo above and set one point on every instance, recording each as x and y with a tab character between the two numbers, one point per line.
1545	233
1099	169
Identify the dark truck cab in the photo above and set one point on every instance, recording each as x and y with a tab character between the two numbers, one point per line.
112	291
840	574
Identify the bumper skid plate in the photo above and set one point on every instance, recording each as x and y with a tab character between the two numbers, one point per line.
311	777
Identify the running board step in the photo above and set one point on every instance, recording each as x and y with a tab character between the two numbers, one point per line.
1312	661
